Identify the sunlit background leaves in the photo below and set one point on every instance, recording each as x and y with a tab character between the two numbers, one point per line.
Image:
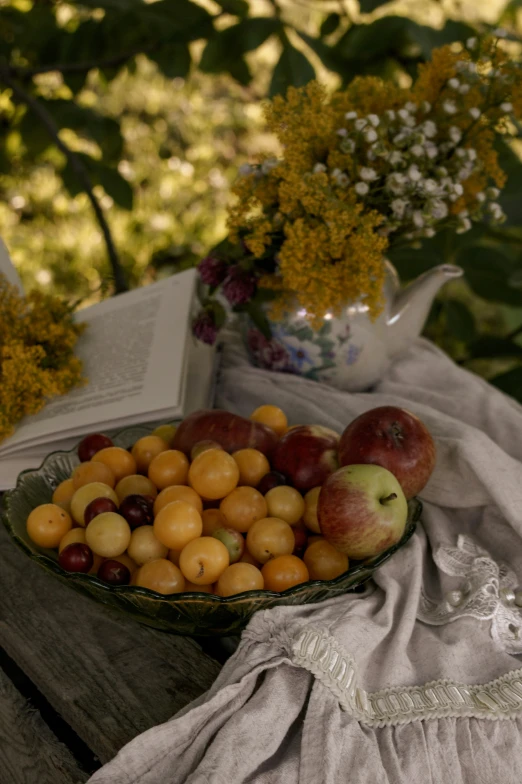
162	102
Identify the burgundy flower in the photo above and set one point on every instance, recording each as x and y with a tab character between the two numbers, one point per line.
212	271
204	327
239	286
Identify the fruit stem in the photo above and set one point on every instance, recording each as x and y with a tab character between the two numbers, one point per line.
390	497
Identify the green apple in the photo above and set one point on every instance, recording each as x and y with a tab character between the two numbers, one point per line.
362	510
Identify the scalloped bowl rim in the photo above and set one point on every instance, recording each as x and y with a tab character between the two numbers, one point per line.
193	597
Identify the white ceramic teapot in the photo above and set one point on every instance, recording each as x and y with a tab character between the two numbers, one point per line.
350	351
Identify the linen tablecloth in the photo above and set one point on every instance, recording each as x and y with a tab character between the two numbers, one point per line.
417	679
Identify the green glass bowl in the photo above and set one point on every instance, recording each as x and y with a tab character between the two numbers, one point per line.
195	614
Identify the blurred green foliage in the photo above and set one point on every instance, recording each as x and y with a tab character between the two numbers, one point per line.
158	103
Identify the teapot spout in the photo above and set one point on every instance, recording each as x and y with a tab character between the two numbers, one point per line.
411	306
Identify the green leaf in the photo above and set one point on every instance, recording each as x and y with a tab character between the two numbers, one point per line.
110	179
367	6
115	186
330	24
489	347
459	320
257	315
511	195
87	122
368	41
488	272
173	60
329	55
225	49
393	35
236	7
428	38
292	69
510	383
220	314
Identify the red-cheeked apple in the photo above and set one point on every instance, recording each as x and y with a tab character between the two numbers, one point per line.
306	455
362	510
394	439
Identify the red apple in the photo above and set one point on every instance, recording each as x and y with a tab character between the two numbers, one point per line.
362	510
394	439
233	541
306	455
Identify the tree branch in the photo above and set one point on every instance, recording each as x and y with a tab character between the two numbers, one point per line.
82	67
78	168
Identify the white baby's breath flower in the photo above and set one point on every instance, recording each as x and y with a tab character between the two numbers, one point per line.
396	183
418	219
500	32
370	154
460	152
458	189
494	207
429	232
475	112
430	186
454	84
464	225
426	107
431	150
492	193
455	134
471	68
362	188
398	207
400	138
471	43
464	173
439	209
365	173
410	106
347	145
480	197
343	180
464	88
417	150
245	169
371	135
413	173
463	214
403	114
506	106
445	147
472	154
350	116
336	172
319	168
429	128
390	114
342	132
449	107
360	124
395	158
373	120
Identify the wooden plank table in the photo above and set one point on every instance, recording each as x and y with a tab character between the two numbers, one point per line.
76	681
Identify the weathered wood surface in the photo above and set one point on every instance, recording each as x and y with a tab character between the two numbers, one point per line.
108	678
29	752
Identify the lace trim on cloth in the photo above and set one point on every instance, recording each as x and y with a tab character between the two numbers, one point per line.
487	593
322	655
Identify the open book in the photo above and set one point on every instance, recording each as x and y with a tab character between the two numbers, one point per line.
142	364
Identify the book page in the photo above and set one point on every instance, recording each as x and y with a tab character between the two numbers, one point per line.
7	267
134	355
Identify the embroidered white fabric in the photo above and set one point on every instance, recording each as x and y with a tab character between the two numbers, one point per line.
487	593
336	669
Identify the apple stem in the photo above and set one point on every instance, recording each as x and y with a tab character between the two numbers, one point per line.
390	497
